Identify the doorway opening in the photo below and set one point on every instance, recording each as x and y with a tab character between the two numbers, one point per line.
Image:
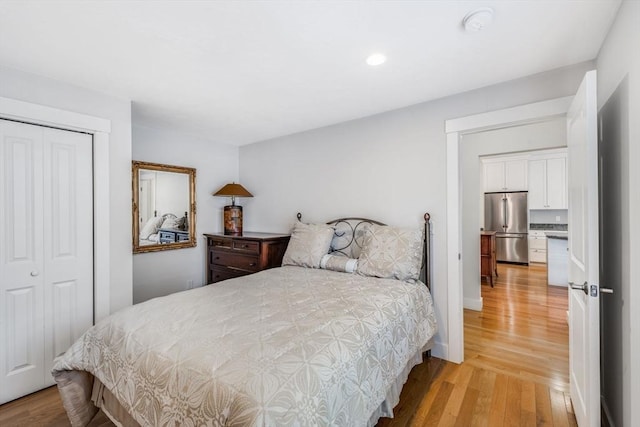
515	321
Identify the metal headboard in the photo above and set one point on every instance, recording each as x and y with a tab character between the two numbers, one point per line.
356	223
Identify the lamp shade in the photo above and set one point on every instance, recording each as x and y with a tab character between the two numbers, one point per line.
233	190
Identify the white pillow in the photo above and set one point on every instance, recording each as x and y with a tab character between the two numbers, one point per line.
308	244
151	227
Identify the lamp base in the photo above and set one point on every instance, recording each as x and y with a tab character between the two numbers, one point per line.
233	220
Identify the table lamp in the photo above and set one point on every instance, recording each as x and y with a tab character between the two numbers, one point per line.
233	212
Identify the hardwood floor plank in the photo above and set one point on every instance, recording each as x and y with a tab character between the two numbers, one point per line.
465	414
558	409
513	402
439	403
544	415
498	401
528	397
461	383
480	416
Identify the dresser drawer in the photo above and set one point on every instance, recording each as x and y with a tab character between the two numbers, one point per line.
246	246
220	243
235	260
217	274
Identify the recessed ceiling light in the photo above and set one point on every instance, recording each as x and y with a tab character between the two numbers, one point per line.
376	59
478	19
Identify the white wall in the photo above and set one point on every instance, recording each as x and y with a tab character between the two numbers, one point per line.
40	90
161	273
537	136
619	58
390	167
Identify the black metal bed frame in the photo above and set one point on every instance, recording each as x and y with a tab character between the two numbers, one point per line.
354	223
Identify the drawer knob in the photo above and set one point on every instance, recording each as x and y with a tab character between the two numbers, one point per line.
217	257
253	264
245	246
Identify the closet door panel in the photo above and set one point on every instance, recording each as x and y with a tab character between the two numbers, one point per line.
21	260
69	230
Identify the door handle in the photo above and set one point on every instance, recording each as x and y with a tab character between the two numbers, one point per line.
584	287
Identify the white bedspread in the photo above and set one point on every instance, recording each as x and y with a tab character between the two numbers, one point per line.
287	346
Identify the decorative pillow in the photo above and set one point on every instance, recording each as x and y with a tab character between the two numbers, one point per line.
391	252
170	222
308	244
339	263
151	227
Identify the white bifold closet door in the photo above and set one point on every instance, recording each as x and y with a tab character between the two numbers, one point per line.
46	251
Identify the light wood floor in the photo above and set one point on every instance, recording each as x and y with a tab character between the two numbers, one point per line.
515	371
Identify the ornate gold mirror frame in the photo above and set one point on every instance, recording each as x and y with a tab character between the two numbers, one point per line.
164	207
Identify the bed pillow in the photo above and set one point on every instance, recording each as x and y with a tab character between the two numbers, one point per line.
308	244
339	263
391	252
171	222
151	227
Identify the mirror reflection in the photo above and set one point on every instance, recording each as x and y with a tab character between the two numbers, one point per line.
163	208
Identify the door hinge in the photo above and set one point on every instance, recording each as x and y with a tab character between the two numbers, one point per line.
459	257
593	291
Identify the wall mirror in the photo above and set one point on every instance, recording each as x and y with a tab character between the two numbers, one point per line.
164	207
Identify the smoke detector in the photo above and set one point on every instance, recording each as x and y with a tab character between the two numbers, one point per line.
478	19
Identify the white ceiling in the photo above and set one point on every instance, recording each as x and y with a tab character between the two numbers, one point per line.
239	72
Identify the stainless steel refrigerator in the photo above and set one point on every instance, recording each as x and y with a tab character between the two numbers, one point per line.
506	214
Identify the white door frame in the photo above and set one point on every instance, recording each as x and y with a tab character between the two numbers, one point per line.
455	128
100	128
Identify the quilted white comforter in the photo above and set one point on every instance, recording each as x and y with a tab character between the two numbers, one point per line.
287	346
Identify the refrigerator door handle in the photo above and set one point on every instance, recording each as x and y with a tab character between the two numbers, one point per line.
504	211
511	236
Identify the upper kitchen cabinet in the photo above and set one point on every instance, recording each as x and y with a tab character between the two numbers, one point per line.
548	180
505	174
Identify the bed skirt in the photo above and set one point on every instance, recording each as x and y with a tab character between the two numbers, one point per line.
83	395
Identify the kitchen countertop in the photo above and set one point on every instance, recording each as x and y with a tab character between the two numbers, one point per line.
549	227
562	235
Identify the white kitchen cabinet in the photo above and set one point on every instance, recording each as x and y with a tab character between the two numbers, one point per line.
537	246
505	174
548	181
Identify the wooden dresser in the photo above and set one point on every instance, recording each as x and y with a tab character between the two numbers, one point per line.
235	256
488	263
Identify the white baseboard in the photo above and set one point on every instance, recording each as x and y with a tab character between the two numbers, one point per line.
473	304
440	350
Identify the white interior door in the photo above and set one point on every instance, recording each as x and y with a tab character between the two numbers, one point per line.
22	260
584	306
46	251
68	241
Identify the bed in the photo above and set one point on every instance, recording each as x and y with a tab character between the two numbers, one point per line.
294	345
